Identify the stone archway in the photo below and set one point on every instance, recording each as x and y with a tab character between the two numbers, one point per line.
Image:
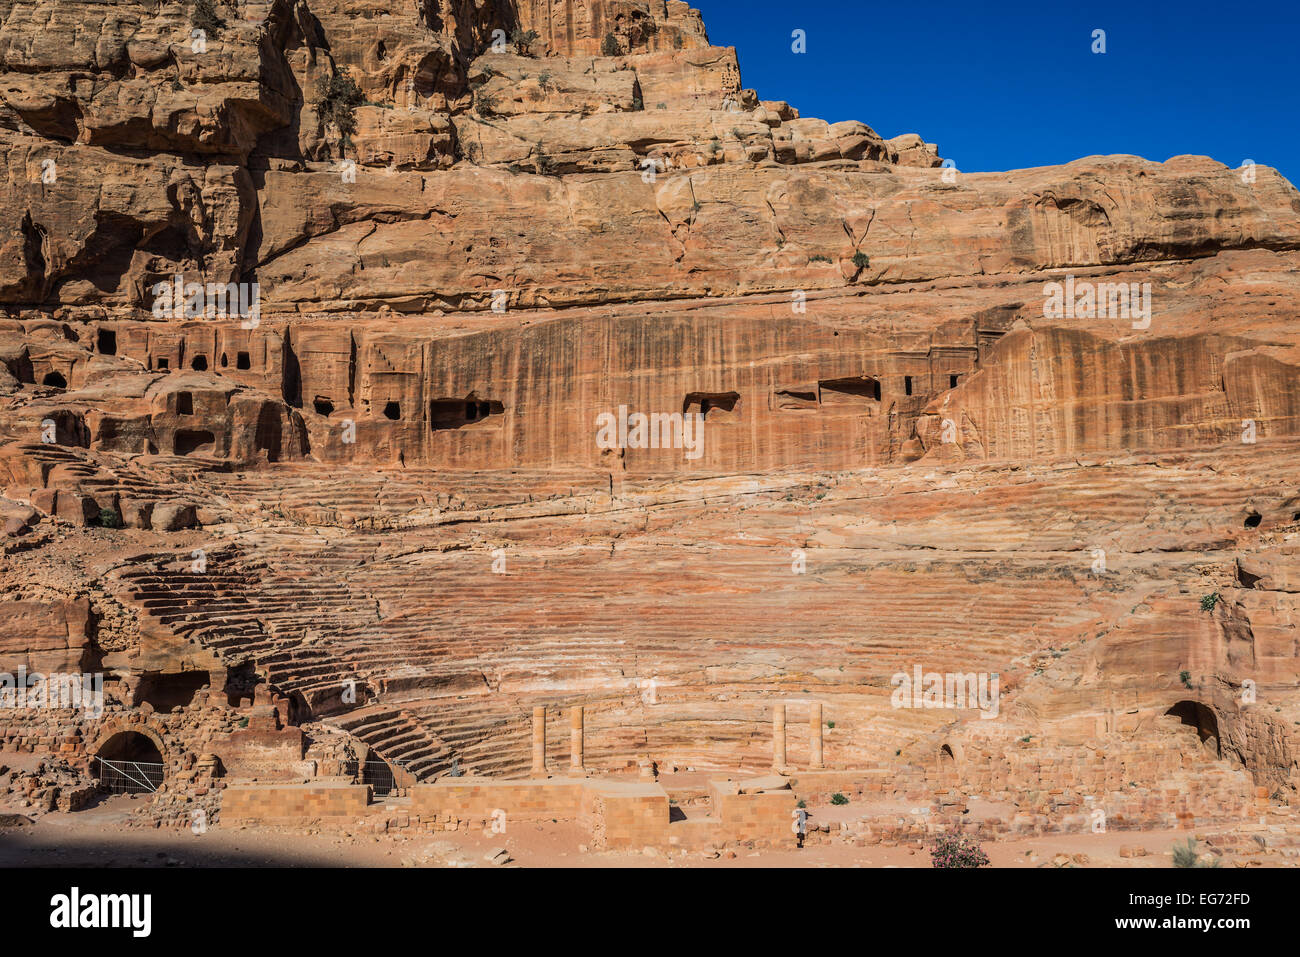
111	729
130	761
950	755
1202	717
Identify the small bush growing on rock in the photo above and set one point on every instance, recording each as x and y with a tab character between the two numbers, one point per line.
1185	677
957	850
609	46
837	799
109	518
339	98
522	40
1209	601
205	18
860	260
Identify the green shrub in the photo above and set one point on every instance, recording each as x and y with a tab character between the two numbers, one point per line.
1209	601
1188	855
522	40
109	518
837	799
1186	678
957	850
860	260
339	98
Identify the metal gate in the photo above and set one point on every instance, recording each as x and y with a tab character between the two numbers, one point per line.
129	777
379	776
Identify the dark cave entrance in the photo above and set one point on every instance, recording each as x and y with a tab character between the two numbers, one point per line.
1193	714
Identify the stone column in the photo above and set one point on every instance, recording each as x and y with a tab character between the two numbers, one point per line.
575	738
539	742
815	735
778	737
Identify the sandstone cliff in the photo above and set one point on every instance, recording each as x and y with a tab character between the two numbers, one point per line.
474	228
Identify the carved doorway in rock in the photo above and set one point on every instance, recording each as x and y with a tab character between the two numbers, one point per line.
1203	719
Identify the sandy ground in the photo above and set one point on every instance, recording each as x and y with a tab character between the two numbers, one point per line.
98	837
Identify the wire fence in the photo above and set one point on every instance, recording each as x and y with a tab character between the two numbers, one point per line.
379	776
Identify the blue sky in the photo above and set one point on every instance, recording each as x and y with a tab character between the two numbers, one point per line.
1015	84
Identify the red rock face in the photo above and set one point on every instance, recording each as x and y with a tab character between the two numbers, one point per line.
327	336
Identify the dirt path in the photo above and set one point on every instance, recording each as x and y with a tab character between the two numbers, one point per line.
99	837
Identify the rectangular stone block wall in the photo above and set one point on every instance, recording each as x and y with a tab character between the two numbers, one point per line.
628	820
522	801
293	803
761	818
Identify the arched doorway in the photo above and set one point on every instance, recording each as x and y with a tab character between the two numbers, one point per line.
129	763
1196	715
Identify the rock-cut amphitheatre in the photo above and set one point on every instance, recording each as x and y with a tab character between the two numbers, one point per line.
353	555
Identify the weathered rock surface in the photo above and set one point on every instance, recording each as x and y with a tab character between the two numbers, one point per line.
377	496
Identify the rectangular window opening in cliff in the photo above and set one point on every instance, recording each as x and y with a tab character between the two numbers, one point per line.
796	398
457	413
159	364
953	379
242	361
184	403
852	391
907	385
712	405
106	342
